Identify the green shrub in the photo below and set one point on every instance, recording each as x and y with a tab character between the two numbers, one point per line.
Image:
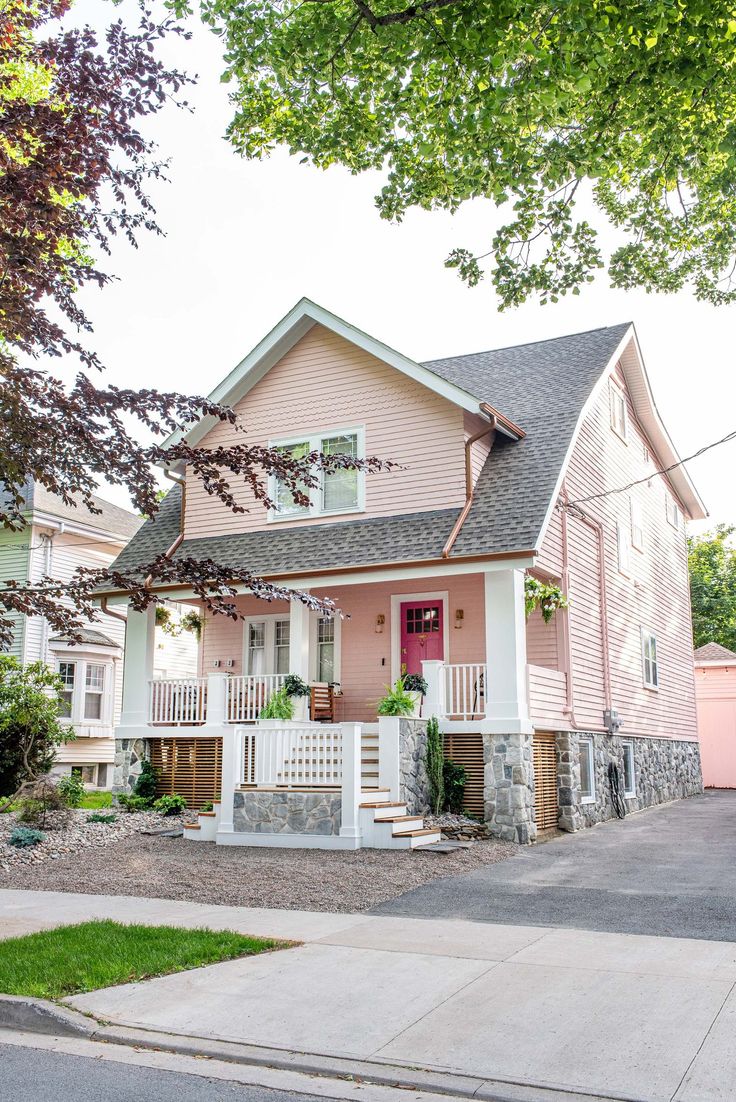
170	805
135	803
397	701
208	806
415	683
41	799
454	777
72	790
22	837
101	817
295	686
146	784
434	761
279	706
30	726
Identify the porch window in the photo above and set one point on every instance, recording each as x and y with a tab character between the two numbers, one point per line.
267	645
326	649
256	648
94	687
650	668
629	773
282	634
67	673
339	491
587	772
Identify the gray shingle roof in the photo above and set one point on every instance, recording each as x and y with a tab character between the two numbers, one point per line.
713	652
112	520
88	635
543	387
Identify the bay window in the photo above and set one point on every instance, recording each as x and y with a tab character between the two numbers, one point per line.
86	691
337	491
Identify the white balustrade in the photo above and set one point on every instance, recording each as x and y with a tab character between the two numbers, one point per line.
246	696
465	690
177	702
274	756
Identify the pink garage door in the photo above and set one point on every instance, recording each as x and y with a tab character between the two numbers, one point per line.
717	730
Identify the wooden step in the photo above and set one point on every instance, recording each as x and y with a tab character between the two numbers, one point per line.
192	826
207	814
383	804
399	819
416	833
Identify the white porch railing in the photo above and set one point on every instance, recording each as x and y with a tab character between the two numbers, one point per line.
177	702
464	690
290	756
246	696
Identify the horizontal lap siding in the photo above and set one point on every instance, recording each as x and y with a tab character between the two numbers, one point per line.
541	641
654	596
14	567
326	383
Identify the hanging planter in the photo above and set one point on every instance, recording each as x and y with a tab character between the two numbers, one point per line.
546	596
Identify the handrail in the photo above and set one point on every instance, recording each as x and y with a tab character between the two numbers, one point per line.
290	757
177	701
465	689
247	695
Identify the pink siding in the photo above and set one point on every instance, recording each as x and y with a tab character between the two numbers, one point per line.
715	690
472	424
365	653
654	596
542	641
326	383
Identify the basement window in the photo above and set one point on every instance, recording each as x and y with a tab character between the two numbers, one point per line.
629	771
587	772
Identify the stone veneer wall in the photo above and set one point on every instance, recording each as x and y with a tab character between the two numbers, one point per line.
508	787
414	783
129	753
261	812
665	769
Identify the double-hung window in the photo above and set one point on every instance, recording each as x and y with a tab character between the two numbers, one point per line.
267	645
94	688
68	674
587	771
650	669
341	490
326	649
673	511
86	691
629	770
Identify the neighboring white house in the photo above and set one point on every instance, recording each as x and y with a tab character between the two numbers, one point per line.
58	539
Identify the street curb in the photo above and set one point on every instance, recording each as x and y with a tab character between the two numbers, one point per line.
29	1015
41	1016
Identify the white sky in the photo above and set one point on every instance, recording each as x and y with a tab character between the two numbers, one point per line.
246	240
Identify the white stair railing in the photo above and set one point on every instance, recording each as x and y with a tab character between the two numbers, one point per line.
465	690
177	702
273	756
247	695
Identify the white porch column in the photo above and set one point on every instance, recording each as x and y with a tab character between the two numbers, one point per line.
299	640
352	782
216	713
506	694
231	749
138	669
434	699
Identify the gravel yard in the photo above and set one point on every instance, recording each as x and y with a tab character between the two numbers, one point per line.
125	862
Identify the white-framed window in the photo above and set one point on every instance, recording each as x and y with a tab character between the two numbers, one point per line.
629	770
326	649
94	688
339	491
267	645
674	515
624	549
68	674
637	525
650	669
87	689
587	771
617	399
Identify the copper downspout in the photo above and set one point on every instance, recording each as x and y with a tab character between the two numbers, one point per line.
109	612
468	485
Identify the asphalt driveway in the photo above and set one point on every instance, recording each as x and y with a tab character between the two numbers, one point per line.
669	870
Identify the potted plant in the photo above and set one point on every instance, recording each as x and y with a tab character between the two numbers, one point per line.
297	691
416	685
397	701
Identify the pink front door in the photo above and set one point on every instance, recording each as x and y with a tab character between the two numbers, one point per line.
421	634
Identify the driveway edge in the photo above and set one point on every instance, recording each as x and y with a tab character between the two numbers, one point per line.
41	1016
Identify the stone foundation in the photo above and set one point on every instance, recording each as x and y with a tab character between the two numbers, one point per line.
508	787
129	753
415	790
261	812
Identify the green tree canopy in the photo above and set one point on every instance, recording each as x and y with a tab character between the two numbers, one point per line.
529	103
712	562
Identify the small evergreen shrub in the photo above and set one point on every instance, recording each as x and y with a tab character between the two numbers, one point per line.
101	817
146	783
22	837
43	799
170	805
135	803
434	761
71	789
454	777
279	706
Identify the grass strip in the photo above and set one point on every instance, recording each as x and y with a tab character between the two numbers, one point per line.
72	959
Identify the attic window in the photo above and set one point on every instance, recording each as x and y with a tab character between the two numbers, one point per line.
618	410
339	491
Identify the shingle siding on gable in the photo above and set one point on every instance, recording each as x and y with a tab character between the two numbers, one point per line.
326	383
654	596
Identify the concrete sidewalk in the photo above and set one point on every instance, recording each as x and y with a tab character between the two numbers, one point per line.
613	1015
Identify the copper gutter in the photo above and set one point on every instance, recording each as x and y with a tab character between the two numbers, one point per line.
468	484
502	420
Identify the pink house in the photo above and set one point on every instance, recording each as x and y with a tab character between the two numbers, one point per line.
715	693
513	463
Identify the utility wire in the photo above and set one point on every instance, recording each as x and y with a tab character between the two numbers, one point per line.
622	489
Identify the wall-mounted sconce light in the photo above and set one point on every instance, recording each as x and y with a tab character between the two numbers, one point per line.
380	621
459	616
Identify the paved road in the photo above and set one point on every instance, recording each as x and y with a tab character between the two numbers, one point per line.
668	871
41	1076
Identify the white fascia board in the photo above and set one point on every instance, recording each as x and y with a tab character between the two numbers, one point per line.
284	336
713	663
78	528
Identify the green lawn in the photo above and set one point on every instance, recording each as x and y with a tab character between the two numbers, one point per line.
94	800
72	959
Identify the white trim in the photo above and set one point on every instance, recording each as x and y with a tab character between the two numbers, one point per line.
314	440
653	686
397	600
590	799
628	749
296	324
269	641
81	658
314	647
